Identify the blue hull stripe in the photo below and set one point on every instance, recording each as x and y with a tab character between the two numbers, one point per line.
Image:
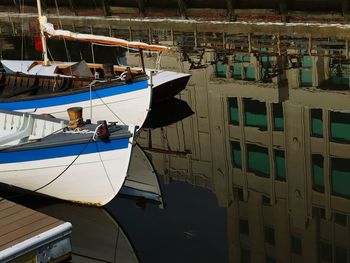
62	151
73	98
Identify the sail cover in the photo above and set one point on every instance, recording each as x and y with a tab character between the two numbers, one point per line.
52	32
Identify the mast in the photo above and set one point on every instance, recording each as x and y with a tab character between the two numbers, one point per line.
142	61
42	35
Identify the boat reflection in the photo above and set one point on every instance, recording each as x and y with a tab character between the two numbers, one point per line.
97	235
167	112
142	182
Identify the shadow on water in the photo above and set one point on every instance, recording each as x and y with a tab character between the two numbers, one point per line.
167	112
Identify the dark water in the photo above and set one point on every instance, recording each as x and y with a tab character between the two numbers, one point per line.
260	172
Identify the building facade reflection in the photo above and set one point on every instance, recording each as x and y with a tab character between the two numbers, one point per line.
270	137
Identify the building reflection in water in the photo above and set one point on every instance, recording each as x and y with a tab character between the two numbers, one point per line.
271	138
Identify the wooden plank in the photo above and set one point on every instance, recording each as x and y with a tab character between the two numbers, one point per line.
4	204
18	223
32	234
28	231
11	211
22	223
17	216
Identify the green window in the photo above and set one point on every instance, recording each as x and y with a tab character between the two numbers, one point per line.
280	165
239	68
270	259
306	71
243	227
242	58
341	255
266	73
221	70
340	173
277	110
316	123
245	255
237	71
255	113
296	245
326	251
233	111
306	78
249	73
322	213
340	219
340	126
265	200
258	160
269	235
317	172
339	74
306	61
236	154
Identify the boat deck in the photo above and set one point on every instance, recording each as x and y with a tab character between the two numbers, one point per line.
25	232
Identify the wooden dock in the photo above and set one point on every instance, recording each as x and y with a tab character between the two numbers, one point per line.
29	236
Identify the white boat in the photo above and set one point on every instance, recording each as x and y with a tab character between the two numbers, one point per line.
141	181
165	84
39	154
109	99
125	98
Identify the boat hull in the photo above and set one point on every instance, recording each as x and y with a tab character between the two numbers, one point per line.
90	173
168	84
128	103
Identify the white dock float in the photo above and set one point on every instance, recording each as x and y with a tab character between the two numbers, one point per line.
29	236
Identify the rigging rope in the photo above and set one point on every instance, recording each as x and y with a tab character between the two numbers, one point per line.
21	8
58	176
61	27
